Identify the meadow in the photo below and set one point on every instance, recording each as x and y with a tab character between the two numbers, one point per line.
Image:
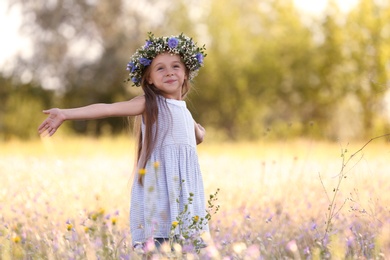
68	198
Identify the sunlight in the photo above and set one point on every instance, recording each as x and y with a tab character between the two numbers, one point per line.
318	6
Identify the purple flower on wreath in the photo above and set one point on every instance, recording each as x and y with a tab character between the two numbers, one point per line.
131	67
135	79
173	42
199	57
147	44
145	61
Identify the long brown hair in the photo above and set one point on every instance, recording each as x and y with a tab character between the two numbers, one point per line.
146	144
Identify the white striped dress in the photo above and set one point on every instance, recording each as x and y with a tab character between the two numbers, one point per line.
154	204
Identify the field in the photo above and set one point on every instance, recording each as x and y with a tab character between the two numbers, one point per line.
68	198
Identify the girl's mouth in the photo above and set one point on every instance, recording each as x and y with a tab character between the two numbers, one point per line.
170	81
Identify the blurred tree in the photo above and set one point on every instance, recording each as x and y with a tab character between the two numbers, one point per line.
368	54
328	87
223	96
180	17
296	101
81	49
256	73
19	103
265	69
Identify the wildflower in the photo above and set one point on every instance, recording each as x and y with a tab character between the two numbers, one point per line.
173	42
16	239
149	246
147	44
177	248
188	249
156	164
253	252
130	66
94	216
113	221
145	61
69	227
101	211
239	247
292	246
174	224
165	248
135	80
199	57
195	218
142	171
86	229
314	226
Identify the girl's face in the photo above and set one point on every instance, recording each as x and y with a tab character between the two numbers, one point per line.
167	73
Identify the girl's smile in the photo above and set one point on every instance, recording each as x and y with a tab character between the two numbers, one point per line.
170	81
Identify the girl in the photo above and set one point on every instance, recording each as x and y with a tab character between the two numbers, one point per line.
167	193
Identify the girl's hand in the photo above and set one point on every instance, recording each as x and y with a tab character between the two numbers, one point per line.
200	132
52	122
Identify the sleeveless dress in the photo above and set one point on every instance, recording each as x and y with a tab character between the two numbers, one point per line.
172	173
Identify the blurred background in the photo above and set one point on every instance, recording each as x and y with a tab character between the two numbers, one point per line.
274	68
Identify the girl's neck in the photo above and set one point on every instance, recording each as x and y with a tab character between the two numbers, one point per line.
174	97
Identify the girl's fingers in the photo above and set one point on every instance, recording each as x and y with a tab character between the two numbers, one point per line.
52	131
47	131
45	126
41	127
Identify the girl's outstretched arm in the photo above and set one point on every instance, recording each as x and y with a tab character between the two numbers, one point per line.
56	116
200	132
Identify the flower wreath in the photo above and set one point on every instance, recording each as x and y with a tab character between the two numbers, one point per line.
191	55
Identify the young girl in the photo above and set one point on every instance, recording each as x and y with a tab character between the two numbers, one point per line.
167	177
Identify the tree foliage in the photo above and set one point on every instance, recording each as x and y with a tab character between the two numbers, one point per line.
19	104
269	69
368	56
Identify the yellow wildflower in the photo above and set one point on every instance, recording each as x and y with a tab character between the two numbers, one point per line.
142	171
156	164
69	227
86	229
16	239
94	216
174	224
196	218
113	221
101	211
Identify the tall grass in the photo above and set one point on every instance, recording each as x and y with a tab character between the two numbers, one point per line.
66	198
